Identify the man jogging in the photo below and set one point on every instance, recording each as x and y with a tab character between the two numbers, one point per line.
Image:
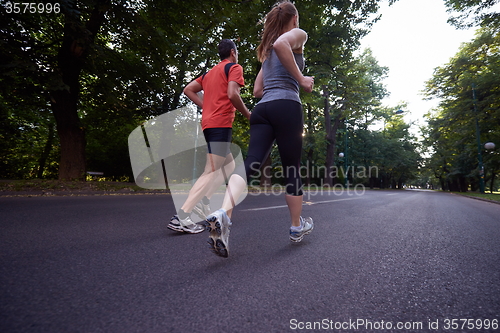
221	88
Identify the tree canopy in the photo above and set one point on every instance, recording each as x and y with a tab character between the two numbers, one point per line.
468	114
468	13
74	84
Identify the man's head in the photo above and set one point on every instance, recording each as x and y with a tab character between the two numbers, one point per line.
228	49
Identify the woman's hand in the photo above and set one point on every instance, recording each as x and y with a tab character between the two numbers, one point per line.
307	83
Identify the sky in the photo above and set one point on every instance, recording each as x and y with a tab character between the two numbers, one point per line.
411	39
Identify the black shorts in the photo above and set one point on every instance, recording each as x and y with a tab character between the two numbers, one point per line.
218	140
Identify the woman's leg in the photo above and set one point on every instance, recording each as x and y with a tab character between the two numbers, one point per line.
288	124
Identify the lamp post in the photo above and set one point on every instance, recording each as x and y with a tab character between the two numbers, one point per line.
490	146
478	137
342	155
346	161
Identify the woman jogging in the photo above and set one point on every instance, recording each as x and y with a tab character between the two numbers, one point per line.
278	116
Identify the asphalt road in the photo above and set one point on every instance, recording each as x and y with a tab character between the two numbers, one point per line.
411	261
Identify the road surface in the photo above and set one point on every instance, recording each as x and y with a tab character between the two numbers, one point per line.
381	261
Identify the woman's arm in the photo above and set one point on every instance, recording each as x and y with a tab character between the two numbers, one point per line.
258	88
284	47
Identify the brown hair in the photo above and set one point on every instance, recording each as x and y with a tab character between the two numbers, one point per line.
274	23
225	47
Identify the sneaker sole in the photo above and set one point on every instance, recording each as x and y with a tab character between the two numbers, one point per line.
299	239
215	240
183	230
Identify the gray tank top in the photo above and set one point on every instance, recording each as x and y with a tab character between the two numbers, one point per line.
278	82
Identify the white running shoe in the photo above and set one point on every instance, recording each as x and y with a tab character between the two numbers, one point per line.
307	225
185	225
219	224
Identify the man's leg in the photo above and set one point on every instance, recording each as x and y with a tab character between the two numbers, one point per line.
222	175
219	222
210	180
182	222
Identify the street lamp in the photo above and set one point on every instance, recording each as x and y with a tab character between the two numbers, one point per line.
342	155
489	145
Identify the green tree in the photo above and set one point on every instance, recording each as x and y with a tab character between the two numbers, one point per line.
99	68
468	89
59	57
356	96
468	13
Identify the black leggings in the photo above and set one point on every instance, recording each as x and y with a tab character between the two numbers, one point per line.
283	121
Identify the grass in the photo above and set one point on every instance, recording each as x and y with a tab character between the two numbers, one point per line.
36	185
495	196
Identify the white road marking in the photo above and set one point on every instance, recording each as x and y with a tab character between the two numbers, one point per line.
308	203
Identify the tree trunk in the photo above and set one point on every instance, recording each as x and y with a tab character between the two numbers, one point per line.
331	139
70	131
265	177
463	184
309	166
64	99
329	144
310	144
443	184
493	175
46	152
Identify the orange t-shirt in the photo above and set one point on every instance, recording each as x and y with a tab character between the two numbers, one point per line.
218	111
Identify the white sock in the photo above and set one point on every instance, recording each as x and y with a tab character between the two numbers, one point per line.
299	228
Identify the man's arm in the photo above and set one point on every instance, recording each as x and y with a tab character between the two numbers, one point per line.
192	90
233	92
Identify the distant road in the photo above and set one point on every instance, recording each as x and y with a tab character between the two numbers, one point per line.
413	260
